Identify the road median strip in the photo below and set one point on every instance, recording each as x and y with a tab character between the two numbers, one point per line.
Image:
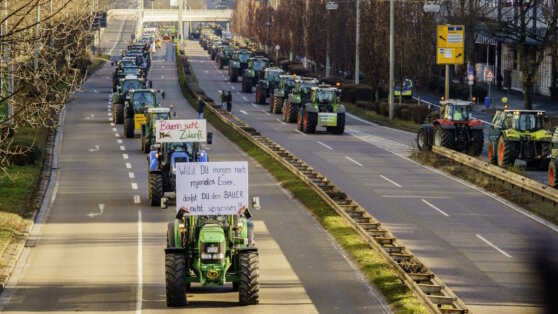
405	282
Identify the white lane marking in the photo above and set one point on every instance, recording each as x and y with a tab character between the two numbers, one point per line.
110	114
391	181
243	97
162	76
436	208
137	199
356	162
298	131
116	135
122	148
493	246
108	108
139	292
91	116
110	119
324	145
114	130
244	112
101	211
414	196
283	123
206	71
253	104
267	113
112	124
128	165
233	87
97	148
134	186
119	141
119	36
125	156
361	120
131	175
228	83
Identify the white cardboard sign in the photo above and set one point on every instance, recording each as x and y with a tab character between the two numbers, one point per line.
172	131
212	188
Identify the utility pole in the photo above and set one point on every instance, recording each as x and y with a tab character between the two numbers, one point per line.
329	6
180	26
37	30
391	51
357	39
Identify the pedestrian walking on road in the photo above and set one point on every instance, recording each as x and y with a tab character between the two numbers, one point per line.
229	102
201	108
223	99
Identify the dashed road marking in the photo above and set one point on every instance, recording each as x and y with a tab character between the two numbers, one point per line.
134	186
122	148
244	112
253	104
128	165
116	135
324	145
112	124
356	162
391	181
298	131
114	130
267	113
131	175
493	246
283	123
125	156
119	141
137	199
243	97
436	208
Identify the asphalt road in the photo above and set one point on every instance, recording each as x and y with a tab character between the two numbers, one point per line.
480	245
98	245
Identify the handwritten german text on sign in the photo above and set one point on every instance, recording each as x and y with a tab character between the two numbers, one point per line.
211	188
168	131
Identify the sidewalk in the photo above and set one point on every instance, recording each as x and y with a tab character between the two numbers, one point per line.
515	101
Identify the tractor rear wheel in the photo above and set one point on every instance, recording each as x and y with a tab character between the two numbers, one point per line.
422	140
285	112
277	104
175	280
299	121
118	113
233	75
552	174
506	152
477	142
147	146
492	155
155	188
310	120
340	127
443	137
129	128
293	112
249	283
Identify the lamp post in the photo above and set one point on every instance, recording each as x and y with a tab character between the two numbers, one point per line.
267	27
357	39
391	51
329	7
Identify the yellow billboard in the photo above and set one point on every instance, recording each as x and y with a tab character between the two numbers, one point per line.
450	40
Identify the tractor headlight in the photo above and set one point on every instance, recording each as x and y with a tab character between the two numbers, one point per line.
206	256
212	249
219	256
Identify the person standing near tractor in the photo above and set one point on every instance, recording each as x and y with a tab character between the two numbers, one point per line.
201	107
229	102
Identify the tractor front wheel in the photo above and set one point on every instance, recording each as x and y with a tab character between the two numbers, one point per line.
277	102
129	128
422	140
155	188
477	142
552	174
118	113
249	283
292	112
299	120
506	152
443	137
233	74
309	122
492	156
340	127
175	279
147	145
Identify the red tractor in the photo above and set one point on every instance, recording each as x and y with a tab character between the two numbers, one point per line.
455	129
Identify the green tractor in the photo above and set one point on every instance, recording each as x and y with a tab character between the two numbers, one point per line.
323	110
135	109
131	82
224	55
254	73
553	164
519	134
301	94
238	63
212	251
281	92
148	129
271	78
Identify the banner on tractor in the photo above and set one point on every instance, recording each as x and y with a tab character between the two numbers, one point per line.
327	119
173	131
211	188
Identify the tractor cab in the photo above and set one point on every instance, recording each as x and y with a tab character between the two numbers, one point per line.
520	120
303	89
456	111
148	129
136	108
271	79
134	70
280	91
325	98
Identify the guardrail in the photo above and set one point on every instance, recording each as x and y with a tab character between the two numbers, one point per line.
430	289
544	191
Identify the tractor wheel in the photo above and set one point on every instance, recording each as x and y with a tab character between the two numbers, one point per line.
235	286
422	140
475	148
443	137
221	64
175	279
257	96
147	146
285	112
171	241
552	174
155	188
340	127
492	156
309	121
212	56
129	128
118	114
299	120
293	112
249	283
248	85
506	152
277	104
233	75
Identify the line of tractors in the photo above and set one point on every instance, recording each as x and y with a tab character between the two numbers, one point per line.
209	250
300	100
513	134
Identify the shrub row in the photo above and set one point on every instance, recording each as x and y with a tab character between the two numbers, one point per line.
408	112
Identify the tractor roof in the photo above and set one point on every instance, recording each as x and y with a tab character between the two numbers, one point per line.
455	102
288	76
273	69
325	87
524	111
143	90
158	110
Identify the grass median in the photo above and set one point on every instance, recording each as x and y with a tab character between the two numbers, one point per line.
372	264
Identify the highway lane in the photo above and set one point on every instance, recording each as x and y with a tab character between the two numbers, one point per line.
100	246
480	245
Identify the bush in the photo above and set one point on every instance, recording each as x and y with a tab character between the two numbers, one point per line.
419	113
365	104
353	93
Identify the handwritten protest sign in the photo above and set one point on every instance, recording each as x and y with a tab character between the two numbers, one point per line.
169	131
212	188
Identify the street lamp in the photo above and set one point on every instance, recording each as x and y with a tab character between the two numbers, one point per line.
391	51
329	6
